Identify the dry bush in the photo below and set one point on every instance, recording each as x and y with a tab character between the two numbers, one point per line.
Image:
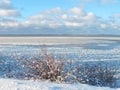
99	74
47	67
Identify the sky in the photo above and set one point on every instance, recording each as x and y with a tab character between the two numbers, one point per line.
60	17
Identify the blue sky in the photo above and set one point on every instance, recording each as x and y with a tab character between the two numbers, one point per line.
73	17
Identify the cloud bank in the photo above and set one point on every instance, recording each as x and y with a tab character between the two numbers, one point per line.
74	21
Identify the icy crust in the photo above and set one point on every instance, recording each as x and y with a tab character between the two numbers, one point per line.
74	52
12	84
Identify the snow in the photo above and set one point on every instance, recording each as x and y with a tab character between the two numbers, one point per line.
46	40
74	48
12	84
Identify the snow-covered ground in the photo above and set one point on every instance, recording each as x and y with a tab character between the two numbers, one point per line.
77	49
11	84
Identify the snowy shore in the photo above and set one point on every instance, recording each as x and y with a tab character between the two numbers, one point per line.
11	84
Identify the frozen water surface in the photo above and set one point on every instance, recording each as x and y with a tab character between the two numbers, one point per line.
77	49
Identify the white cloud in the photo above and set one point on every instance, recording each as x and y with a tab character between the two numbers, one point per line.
6	9
103	26
58	21
9	13
9	24
5	4
90	17
78	11
75	20
64	16
72	24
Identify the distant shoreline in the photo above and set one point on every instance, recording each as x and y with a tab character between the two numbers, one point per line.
59	35
52	40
